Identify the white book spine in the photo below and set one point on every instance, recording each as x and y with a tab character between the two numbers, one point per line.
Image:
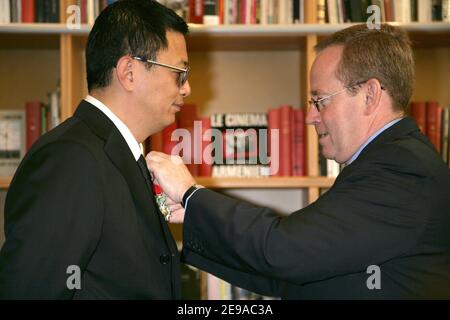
332	7
264	11
290	12
424	11
54	109
90	12
302	11
446	10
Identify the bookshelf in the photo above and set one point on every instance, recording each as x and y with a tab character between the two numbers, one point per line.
4	182
34	56
266	183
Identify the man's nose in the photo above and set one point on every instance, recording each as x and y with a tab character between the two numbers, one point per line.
312	115
185	89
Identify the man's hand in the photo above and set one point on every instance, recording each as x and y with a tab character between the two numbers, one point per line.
176	211
171	173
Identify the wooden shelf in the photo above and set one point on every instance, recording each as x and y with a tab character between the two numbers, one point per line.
249	183
234	30
42	28
304	29
265	183
292	37
4	182
249	37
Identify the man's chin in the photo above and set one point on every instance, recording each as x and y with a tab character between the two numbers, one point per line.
327	154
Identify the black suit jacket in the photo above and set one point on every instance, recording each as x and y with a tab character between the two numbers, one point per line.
389	208
79	198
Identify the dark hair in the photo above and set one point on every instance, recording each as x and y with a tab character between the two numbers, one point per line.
384	54
127	27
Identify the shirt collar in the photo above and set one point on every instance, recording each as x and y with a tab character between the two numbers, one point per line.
386	126
135	147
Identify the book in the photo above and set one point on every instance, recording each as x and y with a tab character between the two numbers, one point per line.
445	134
205	166
434	123
286	124
33	122
28	11
419	113
298	143
12	140
196	11
218	289
244	138
240	170
274	140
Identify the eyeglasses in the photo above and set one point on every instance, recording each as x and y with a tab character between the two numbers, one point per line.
320	104
182	73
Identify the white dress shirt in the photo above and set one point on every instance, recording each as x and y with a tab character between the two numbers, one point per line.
132	143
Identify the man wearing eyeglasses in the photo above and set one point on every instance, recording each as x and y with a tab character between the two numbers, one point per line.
380	232
81	220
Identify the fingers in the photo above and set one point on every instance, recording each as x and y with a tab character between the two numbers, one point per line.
177	216
157	156
172	174
170	201
175	207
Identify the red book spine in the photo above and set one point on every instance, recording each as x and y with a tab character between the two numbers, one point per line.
298	144
243	11
196	11
221	11
33	122
419	113
205	167
285	140
439	128
156	142
274	127
434	117
254	12
388	10
188	115
28	11
83	11
168	144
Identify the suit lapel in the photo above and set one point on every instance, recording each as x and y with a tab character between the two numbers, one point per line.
120	155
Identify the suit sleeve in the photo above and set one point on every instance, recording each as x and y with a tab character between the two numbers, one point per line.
369	217
53	217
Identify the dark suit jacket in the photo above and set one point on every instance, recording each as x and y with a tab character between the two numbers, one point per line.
390	208
79	198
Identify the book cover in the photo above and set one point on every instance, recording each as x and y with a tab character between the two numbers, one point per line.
33	122
434	123
244	137
12	140
418	111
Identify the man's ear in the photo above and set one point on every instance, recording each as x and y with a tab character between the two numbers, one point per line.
124	72
372	94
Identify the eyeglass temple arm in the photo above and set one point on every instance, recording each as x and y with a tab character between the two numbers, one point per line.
159	64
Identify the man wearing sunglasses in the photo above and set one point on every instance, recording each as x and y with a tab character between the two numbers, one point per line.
81	221
380	232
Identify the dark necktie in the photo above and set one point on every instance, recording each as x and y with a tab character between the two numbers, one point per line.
160	199
144	170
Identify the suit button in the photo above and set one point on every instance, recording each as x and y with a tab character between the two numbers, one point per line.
164	258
